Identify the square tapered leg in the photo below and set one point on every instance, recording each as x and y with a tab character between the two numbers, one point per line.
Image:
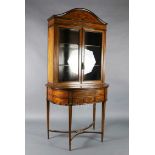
94	115
70	125
48	113
103	120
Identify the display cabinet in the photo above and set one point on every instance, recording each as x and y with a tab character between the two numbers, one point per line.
76	65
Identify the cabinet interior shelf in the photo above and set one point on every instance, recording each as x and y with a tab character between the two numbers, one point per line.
92	46
77	44
69	43
69	65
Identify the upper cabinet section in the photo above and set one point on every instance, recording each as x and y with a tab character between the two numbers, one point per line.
76	48
78	16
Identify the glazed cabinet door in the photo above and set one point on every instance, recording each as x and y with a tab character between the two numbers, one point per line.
92	56
69	55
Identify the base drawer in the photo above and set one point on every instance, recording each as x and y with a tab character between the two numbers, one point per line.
58	93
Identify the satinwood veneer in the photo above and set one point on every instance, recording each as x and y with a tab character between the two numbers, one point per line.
76	65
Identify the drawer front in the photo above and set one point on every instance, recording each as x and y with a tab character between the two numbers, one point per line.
82	93
58	93
77	97
88	99
60	101
88	96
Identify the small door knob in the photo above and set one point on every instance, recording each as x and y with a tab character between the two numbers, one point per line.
82	65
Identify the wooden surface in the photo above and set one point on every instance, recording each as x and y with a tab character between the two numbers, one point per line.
50	53
76	17
77	95
80	92
76	86
83	20
80	14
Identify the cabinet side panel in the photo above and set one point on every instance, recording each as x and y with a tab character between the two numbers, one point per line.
50	53
104	52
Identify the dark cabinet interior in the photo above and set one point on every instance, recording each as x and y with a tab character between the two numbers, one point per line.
70	53
92	54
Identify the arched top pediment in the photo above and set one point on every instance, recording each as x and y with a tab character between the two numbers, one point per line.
80	14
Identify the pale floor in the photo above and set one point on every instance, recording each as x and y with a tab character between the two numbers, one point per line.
115	140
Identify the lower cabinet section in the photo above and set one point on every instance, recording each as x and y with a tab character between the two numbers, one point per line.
77	97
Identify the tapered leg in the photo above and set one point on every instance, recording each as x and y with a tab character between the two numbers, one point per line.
48	113
103	120
94	115
70	125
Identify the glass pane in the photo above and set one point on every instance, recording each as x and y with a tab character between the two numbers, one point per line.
92	55
66	74
93	38
68	54
96	53
70	36
95	74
